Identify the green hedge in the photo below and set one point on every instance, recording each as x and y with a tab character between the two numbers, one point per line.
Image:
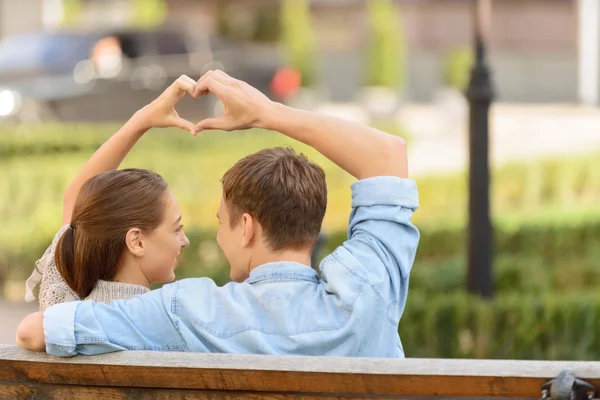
547	216
571	265
550	327
548	241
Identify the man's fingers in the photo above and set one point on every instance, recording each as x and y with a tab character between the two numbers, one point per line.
216	75
212	85
225	79
224	75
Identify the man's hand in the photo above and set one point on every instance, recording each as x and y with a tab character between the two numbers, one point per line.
30	334
362	151
245	106
161	112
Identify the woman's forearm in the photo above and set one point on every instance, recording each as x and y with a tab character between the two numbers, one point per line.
108	157
30	334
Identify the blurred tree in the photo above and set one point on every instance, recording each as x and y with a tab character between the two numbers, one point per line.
72	9
260	24
298	39
457	68
387	48
267	25
148	13
224	24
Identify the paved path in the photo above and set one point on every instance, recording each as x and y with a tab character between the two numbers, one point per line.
10	315
517	133
439	138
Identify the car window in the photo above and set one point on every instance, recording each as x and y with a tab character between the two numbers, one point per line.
44	51
171	43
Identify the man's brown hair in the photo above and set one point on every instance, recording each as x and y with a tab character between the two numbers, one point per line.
107	206
284	191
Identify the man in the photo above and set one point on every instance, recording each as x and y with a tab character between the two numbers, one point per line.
271	213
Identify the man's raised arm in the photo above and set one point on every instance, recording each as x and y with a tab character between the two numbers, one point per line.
362	151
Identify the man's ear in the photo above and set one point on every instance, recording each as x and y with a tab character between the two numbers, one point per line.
249	226
134	242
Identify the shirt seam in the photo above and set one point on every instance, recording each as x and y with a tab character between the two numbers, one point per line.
282	276
173	314
363	280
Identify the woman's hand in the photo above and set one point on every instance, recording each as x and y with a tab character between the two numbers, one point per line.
161	112
30	334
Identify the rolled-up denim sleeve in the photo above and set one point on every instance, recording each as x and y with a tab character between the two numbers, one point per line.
382	240
86	327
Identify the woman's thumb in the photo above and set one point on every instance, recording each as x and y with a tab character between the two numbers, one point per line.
184	124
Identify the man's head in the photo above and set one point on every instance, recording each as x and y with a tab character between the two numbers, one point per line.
273	201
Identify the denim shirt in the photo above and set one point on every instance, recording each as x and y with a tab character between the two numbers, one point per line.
352	309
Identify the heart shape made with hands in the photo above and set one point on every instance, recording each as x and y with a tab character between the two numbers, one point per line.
242	103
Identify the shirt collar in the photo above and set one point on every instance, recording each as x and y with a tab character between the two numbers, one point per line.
283	271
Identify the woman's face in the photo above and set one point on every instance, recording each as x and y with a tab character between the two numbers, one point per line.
163	245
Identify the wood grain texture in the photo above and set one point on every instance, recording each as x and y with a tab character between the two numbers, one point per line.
14	391
318	376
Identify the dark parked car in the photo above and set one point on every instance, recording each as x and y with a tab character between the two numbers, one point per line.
108	75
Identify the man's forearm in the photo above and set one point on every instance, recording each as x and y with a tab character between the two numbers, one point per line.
108	157
362	151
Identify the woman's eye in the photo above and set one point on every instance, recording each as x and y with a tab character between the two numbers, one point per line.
180	228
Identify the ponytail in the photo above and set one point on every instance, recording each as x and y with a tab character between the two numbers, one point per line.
69	263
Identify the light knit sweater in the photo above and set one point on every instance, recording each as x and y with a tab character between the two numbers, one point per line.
54	289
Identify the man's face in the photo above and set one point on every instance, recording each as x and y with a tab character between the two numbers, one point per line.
230	241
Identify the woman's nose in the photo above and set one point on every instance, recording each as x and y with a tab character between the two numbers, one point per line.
185	242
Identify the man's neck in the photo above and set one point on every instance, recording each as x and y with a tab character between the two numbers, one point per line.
297	256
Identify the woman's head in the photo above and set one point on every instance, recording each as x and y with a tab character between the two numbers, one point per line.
124	219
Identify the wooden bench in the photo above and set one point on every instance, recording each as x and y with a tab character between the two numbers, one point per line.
155	375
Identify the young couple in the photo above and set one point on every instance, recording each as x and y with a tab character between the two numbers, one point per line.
122	231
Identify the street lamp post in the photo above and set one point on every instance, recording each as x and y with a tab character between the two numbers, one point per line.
480	94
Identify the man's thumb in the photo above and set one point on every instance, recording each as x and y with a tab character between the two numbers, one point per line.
212	123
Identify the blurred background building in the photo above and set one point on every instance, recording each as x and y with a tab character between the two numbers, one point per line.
535	43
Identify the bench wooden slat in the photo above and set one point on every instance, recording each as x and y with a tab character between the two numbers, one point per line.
14	391
287	375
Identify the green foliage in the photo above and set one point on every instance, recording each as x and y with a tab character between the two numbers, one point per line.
536	259
519	326
264	24
387	48
72	9
267	25
148	13
457	68
298	38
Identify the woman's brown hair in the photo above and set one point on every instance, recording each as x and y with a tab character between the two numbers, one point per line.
107	207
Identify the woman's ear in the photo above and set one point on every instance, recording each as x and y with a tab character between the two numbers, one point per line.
248	226
134	242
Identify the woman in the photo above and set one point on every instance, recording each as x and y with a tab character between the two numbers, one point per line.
121	229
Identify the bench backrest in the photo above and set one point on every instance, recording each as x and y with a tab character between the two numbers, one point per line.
141	374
